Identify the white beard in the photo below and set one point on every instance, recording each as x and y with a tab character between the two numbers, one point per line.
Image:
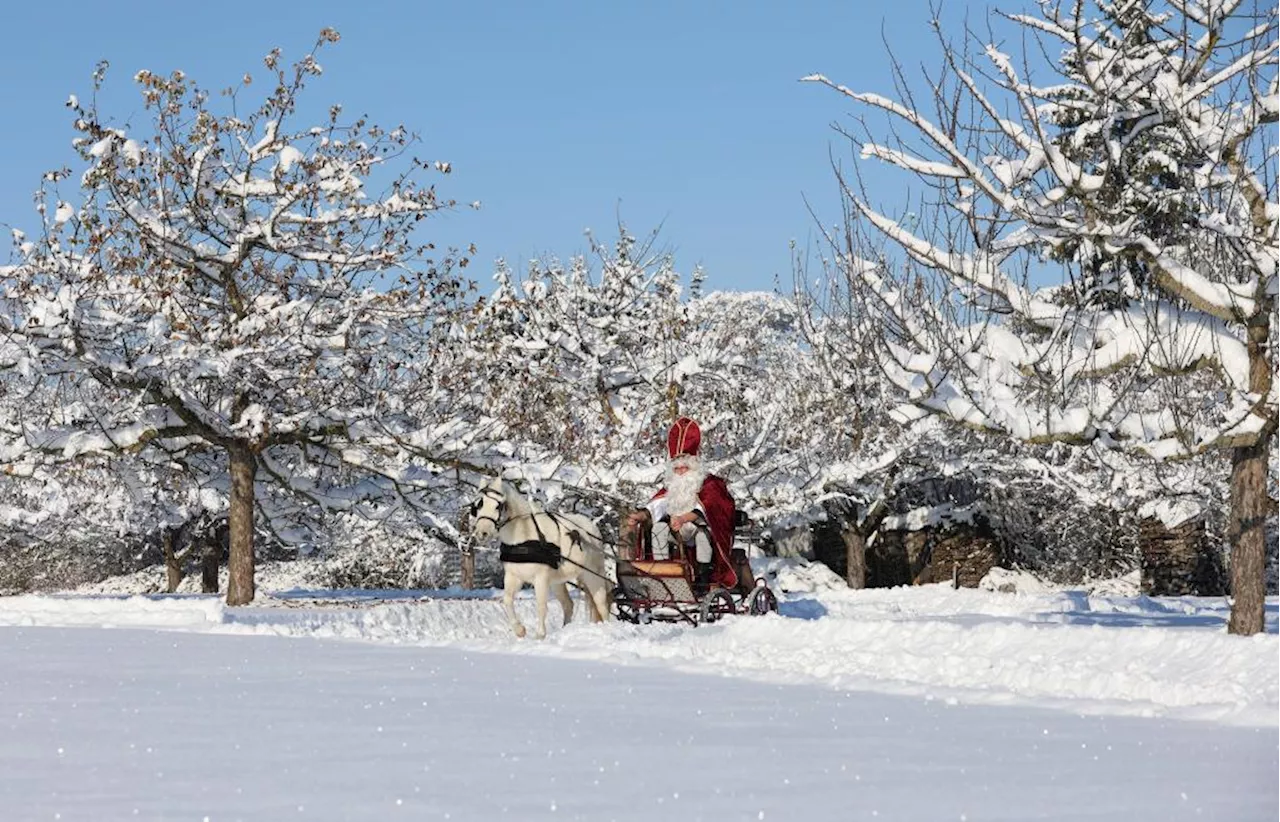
682	489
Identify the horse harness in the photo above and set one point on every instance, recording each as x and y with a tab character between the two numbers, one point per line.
540	550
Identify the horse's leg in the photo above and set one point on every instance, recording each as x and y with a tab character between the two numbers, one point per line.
540	584
566	601
588	588
592	614
598	596
511	584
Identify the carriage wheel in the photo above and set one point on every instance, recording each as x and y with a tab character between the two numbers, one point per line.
760	601
627	612
716	604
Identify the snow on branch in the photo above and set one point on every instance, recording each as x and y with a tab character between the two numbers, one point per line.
1250	61
903	160
1225	300
1129	174
982	270
936	135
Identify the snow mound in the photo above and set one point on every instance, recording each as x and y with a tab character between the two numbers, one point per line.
276	576
797	575
1006	581
1065	650
1128	585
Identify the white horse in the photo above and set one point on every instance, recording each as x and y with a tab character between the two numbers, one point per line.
570	540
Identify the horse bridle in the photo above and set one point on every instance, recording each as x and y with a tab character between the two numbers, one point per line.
490	493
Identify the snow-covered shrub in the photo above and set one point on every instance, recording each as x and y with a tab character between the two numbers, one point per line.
430	564
393	550
46	566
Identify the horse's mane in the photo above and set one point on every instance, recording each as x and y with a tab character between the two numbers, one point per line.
517	503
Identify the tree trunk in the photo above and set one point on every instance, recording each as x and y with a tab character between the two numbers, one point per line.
172	563
855	545
244	466
1249	504
855	535
210	559
468	569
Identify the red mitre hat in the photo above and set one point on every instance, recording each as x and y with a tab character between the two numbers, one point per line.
684	438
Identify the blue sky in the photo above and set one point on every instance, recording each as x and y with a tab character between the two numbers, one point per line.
557	116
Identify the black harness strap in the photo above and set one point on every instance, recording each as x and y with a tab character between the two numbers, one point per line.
543	550
540	550
534	550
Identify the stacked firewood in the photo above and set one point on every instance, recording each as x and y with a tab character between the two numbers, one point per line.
962	555
959	552
1179	561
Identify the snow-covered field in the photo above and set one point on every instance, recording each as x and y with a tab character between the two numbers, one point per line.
922	703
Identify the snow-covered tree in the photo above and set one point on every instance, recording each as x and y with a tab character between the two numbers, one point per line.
229	291
571	346
1140	162
588	362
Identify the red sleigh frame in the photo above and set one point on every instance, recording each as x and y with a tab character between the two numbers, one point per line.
650	590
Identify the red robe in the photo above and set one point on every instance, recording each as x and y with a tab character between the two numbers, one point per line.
719	508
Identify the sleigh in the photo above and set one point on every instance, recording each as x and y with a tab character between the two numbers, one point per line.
664	590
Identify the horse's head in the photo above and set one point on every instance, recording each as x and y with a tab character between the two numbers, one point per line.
488	510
